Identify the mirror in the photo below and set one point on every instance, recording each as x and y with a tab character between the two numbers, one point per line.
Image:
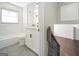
68	12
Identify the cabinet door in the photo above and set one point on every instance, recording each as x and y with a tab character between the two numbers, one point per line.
29	38
36	41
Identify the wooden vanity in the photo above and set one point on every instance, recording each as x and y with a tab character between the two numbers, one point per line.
68	47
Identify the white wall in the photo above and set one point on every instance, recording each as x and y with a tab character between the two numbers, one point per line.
50	18
11	28
24	18
48	13
41	27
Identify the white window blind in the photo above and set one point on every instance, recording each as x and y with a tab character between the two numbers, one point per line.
9	16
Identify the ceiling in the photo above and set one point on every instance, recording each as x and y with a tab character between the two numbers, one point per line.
20	4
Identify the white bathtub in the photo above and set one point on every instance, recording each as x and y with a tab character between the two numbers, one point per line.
11	39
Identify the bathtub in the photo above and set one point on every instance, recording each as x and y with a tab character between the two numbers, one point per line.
11	39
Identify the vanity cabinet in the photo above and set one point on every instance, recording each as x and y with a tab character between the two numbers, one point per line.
33	39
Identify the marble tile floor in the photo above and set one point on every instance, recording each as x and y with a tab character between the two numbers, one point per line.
17	50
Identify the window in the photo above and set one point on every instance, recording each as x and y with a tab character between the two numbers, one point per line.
9	16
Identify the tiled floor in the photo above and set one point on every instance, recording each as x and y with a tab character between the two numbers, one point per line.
17	50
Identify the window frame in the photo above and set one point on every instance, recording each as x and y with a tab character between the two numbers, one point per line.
9	22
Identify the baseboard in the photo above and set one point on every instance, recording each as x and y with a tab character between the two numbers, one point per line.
31	50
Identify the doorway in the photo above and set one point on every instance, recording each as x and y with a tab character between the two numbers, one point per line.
32	30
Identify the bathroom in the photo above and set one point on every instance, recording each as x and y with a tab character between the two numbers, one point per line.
16	29
27	22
